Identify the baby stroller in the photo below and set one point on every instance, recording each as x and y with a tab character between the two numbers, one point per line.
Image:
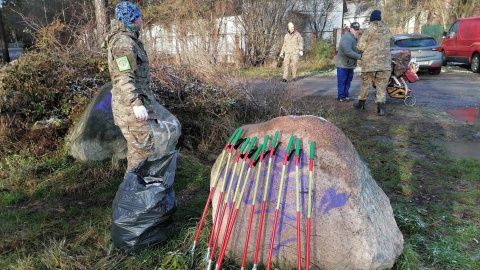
404	69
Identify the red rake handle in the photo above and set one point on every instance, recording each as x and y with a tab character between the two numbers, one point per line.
272	239
252	210
307	249
231	141
279	198
259	233
245	247
212	253
204	214
309	210
223	209
226	238
299	245
264	202
212	232
297	196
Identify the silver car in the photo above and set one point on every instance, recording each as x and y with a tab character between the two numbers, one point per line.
423	47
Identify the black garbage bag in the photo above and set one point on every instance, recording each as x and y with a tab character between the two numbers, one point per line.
144	204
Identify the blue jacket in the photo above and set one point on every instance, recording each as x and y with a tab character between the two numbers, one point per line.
347	52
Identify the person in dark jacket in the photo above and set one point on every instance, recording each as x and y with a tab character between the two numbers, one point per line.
346	61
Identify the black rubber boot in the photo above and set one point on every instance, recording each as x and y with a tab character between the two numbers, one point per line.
381	108
359	104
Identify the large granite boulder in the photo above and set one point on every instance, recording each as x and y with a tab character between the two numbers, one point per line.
352	222
96	137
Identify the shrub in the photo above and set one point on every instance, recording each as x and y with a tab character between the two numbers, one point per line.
45	85
40	84
210	113
322	50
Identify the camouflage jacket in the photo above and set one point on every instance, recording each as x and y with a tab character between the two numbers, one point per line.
130	73
375	47
292	43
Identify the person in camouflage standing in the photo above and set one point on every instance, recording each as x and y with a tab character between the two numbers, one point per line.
135	110
376	61
291	50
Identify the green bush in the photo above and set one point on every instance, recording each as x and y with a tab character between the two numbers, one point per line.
322	50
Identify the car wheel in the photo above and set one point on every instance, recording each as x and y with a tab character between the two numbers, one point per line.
475	63
435	71
444	59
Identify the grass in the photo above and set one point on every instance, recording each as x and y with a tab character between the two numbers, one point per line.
56	213
307	66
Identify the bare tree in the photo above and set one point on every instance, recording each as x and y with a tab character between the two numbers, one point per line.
319	13
462	8
397	14
264	23
101	19
360	7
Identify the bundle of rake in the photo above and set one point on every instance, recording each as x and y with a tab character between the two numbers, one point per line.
256	157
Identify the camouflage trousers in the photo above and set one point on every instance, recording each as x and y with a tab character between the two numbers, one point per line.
139	141
378	79
290	66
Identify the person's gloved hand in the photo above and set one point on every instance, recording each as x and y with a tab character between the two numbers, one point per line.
140	112
282	55
300	53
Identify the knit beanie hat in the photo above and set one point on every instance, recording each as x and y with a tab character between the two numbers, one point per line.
127	12
376	15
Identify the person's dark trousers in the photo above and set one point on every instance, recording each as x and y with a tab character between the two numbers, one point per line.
344	78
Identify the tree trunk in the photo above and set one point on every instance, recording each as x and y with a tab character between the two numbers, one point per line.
3	34
102	20
418	18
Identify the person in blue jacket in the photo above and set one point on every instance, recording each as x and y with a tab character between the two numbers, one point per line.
346	61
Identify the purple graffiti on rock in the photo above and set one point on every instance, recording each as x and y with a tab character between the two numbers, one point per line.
105	104
331	199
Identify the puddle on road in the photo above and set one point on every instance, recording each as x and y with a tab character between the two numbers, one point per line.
466	114
460	150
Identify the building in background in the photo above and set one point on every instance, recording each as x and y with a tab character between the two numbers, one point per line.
226	35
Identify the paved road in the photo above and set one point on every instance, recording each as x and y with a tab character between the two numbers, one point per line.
454	88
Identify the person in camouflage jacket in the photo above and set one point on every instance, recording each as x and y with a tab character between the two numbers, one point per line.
376	61
291	50
135	110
